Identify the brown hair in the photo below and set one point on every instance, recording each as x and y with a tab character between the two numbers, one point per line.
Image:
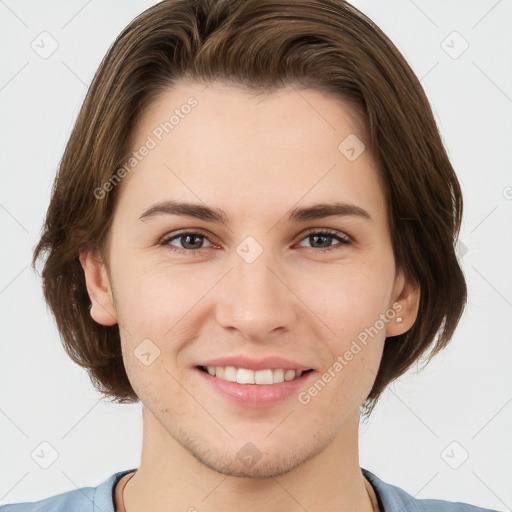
263	45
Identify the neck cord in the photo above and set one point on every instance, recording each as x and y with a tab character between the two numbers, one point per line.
369	490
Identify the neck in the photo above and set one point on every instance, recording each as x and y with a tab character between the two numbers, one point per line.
170	478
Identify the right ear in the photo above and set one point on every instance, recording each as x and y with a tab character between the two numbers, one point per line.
103	309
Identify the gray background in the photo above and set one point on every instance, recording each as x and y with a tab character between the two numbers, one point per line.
441	433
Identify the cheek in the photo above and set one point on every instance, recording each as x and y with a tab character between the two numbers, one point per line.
353	304
152	296
349	298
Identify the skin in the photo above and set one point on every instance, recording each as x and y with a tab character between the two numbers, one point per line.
256	158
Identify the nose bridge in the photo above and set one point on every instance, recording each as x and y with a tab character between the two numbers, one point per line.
255	300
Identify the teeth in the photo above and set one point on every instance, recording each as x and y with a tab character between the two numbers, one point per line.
246	376
230	373
278	376
289	375
264	377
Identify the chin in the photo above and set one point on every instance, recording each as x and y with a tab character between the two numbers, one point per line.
268	466
261	459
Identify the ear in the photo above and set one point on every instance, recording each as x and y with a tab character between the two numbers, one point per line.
405	302
103	309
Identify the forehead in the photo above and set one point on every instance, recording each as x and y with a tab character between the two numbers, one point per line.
223	145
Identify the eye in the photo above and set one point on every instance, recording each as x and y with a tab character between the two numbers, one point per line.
323	237
189	241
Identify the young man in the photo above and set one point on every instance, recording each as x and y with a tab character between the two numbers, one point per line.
238	239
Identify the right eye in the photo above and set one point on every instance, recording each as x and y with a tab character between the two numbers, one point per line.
186	239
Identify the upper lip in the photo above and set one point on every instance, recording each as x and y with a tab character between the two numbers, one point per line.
263	363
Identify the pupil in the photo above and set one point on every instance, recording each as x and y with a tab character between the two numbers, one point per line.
315	237
188	237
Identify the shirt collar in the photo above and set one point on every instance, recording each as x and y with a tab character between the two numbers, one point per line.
390	497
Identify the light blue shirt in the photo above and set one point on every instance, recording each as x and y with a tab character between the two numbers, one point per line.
100	499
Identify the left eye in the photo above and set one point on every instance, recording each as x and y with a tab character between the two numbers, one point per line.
190	241
318	236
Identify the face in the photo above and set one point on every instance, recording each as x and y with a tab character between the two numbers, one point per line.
254	287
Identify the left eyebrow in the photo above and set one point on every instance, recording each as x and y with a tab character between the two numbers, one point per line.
205	213
320	211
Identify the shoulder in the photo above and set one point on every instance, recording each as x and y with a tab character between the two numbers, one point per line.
85	499
394	498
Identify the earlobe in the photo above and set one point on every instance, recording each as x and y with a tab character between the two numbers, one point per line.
406	300
98	287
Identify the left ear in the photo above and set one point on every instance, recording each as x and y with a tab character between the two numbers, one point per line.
406	293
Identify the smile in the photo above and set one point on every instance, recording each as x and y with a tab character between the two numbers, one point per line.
247	376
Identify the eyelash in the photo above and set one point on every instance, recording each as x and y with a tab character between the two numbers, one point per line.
342	238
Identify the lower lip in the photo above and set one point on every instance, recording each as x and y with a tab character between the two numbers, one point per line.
255	395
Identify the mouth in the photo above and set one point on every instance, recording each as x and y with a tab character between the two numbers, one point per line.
264	377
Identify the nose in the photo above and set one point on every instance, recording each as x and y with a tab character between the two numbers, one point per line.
256	299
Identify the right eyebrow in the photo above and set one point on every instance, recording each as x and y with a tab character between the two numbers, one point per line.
185	209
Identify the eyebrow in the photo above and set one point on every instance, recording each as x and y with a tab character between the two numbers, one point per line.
217	215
